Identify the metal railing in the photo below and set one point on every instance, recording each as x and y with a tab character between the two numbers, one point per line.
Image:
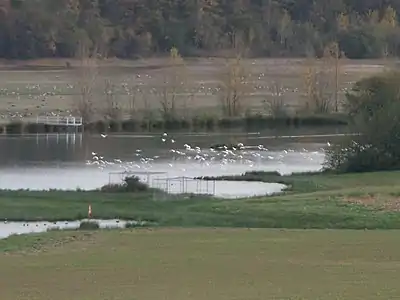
59	120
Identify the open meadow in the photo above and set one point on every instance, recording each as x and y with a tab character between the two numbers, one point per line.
180	264
33	88
199	247
319	201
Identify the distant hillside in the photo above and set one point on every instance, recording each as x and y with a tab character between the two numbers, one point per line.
137	28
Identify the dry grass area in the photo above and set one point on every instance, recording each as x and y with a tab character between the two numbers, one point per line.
202	264
377	201
45	86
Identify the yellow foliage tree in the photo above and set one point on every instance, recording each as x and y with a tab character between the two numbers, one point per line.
373	17
233	87
389	17
343	21
322	81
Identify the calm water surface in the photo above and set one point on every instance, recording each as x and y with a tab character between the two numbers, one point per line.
88	162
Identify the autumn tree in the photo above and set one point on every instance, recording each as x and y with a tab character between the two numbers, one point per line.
233	87
173	85
132	29
322	81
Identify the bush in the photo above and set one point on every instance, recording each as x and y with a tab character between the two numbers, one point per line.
15	128
113	188
114	126
131	184
88	225
139	224
35	128
374	105
129	125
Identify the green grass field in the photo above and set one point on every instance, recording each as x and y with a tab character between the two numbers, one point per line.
201	264
193	257
353	201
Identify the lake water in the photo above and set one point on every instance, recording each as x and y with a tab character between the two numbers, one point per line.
81	161
10	228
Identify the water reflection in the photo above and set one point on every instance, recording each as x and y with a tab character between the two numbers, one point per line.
79	148
68	161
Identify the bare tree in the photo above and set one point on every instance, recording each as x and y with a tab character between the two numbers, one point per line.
332	52
233	87
174	81
145	95
322	81
275	103
132	91
88	72
112	108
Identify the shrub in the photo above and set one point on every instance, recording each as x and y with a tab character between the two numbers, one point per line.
139	224
35	128
129	125
89	225
374	105
100	126
114	126
15	128
131	184
113	188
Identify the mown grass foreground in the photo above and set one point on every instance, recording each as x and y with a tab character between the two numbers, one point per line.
352	201
200	264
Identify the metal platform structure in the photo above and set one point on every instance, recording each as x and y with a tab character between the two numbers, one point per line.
60	121
185	185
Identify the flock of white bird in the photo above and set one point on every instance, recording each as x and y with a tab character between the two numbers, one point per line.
178	156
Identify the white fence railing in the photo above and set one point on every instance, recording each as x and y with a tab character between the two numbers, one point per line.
59	120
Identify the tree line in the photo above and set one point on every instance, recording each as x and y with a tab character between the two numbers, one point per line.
140	28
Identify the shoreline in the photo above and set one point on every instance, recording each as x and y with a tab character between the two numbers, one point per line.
314	201
192	125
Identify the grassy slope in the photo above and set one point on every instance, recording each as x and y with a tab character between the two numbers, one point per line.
202	264
315	201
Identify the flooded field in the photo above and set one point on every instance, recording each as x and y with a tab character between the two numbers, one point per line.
76	161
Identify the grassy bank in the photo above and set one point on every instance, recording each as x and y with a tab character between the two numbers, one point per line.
354	201
203	263
193	124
